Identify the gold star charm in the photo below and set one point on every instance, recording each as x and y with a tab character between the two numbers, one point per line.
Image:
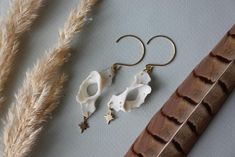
109	116
83	125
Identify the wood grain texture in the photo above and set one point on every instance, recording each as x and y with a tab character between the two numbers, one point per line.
174	129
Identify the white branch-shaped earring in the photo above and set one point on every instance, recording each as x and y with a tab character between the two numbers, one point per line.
134	95
93	86
87	100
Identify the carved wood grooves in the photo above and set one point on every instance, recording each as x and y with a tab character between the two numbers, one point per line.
176	127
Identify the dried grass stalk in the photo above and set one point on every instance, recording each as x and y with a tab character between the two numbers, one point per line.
18	20
41	89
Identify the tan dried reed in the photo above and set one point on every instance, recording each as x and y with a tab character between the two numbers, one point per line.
41	89
18	20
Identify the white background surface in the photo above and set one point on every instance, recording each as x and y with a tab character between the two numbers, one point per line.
196	26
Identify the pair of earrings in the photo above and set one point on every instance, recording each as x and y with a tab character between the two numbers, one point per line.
101	80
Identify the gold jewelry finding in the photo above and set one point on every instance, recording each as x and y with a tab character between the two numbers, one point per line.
84	125
149	67
109	116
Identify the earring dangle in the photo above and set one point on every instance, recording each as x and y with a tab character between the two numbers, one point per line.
94	85
135	95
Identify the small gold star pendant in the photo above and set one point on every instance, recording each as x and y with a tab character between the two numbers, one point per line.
109	116
83	125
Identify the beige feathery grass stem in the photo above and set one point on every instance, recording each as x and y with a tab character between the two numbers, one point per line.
18	20
41	89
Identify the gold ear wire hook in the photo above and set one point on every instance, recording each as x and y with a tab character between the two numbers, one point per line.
149	67
116	66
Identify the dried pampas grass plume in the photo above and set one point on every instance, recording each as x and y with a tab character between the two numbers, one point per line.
41	89
18	20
